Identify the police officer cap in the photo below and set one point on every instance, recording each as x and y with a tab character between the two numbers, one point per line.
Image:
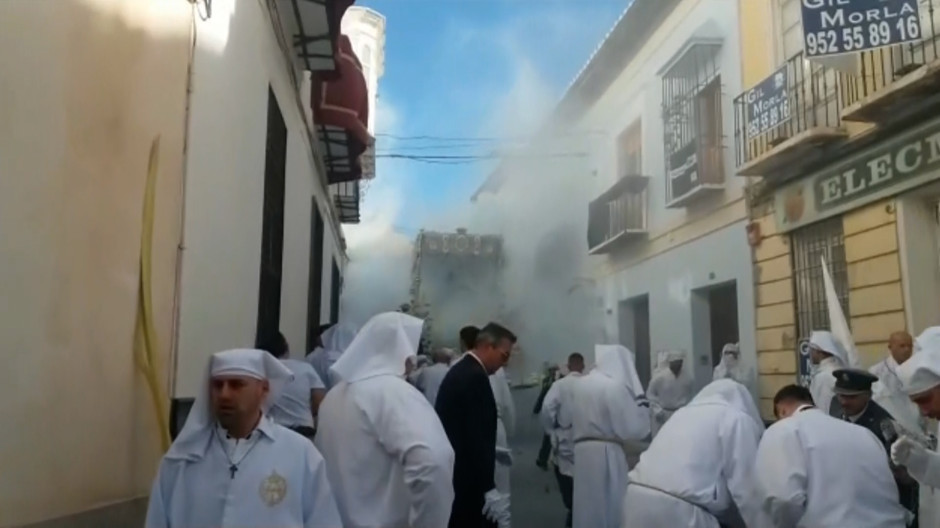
852	381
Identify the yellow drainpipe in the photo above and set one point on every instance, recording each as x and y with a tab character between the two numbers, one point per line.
145	339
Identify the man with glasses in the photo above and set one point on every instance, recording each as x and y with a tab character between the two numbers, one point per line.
467	409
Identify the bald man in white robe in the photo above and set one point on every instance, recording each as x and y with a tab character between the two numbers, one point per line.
386	452
608	411
699	468
231	466
920	377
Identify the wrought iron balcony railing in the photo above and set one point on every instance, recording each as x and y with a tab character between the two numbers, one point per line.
810	113
896	75
618	214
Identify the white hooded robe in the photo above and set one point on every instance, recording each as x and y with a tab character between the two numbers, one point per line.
429	381
386	452
823	383
556	417
280	480
918	374
606	413
732	368
667	392
335	341
505	423
705	455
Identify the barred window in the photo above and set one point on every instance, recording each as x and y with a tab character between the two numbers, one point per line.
810	244
692	121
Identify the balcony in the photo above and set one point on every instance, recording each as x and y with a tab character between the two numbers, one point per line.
898	81
340	106
618	215
812	120
346	198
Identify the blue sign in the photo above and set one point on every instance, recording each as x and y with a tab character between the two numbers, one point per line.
768	104
804	364
831	27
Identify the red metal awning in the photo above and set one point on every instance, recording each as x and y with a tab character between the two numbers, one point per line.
341	111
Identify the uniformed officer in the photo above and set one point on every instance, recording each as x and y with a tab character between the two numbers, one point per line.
853	390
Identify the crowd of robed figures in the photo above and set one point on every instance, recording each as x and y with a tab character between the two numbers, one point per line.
383	456
343	439
855	460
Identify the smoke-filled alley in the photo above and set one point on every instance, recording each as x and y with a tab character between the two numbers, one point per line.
470	264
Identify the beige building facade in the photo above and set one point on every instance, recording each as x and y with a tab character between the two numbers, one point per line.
851	176
208	103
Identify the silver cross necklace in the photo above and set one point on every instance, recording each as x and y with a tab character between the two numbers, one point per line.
233	465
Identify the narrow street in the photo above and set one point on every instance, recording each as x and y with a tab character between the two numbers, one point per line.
220	215
535	498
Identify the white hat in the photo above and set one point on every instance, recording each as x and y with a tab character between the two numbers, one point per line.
675	355
826	342
929	338
617	363
921	372
337	338
192	441
380	348
726	391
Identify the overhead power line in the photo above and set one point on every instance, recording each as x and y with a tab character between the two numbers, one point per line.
518	138
459	160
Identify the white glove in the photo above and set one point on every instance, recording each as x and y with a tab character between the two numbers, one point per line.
496	507
922	464
504	521
906	452
503	456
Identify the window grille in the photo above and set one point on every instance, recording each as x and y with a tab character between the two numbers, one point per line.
810	244
692	121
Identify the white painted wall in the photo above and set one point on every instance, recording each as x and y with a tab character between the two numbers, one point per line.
709	259
237	59
670	280
85	87
920	257
637	93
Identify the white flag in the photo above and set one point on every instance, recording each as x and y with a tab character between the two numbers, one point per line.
837	323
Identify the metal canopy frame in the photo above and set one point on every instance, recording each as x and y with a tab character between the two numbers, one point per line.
302	40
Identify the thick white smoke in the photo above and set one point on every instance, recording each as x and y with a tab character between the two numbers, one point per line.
378	275
540	210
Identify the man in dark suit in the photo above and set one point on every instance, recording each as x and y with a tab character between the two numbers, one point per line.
853	392
467	409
